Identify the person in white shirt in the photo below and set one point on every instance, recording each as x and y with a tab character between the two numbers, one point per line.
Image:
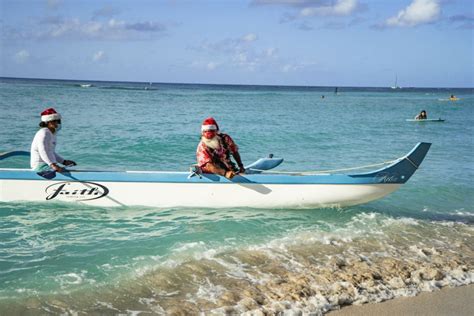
43	154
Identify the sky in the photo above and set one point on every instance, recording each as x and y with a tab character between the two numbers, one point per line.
421	43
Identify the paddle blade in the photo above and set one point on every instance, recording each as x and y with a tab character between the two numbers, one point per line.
47	174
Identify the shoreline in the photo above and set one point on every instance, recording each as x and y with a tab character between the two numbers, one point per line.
447	301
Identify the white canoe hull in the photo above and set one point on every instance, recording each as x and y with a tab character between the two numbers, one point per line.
182	189
206	195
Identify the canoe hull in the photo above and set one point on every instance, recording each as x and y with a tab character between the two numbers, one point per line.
206	195
182	189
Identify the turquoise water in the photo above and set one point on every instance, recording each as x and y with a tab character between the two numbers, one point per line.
70	257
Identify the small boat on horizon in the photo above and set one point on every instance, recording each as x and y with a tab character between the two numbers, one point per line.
255	189
86	85
395	86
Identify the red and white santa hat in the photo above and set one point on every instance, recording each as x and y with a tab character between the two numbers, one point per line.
49	115
209	124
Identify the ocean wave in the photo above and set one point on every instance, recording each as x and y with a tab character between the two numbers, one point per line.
302	271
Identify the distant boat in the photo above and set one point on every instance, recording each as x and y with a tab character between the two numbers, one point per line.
88	85
396	83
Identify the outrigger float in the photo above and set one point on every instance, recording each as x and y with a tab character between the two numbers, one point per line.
259	188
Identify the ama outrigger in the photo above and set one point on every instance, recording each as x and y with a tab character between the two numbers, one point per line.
258	188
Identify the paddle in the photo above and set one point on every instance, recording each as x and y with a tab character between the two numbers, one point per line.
51	174
47	174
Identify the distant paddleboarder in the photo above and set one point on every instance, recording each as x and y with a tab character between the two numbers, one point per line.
43	147
214	151
421	116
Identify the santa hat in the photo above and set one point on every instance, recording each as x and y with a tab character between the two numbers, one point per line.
50	115
209	124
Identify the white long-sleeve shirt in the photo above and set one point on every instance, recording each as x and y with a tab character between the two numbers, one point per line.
43	149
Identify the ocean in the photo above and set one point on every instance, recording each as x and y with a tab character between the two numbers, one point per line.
60	258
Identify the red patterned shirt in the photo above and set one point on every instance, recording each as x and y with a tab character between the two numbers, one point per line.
205	155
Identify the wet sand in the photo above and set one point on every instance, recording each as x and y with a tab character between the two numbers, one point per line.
448	301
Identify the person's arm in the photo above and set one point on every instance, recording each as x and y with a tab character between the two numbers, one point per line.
211	167
59	158
239	162
234	149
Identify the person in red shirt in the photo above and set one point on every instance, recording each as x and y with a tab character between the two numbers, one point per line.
214	151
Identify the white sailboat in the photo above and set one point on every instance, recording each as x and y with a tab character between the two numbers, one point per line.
396	83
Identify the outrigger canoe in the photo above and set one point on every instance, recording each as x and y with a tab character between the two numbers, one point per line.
184	189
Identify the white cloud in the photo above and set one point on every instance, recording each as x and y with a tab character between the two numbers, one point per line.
22	56
339	8
65	27
284	2
270	52
297	66
288	68
308	8
91	28
229	45
251	37
99	56
58	27
241	58
212	65
241	53
418	12
206	65
115	24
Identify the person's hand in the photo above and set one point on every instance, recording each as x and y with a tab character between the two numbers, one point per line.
229	174
69	163
56	168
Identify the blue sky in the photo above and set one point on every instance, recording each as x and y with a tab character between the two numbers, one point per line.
426	43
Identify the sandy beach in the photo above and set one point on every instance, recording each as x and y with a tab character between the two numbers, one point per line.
448	301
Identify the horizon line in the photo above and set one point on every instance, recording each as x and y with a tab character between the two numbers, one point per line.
233	84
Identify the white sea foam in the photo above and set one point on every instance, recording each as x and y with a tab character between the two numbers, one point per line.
210	291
